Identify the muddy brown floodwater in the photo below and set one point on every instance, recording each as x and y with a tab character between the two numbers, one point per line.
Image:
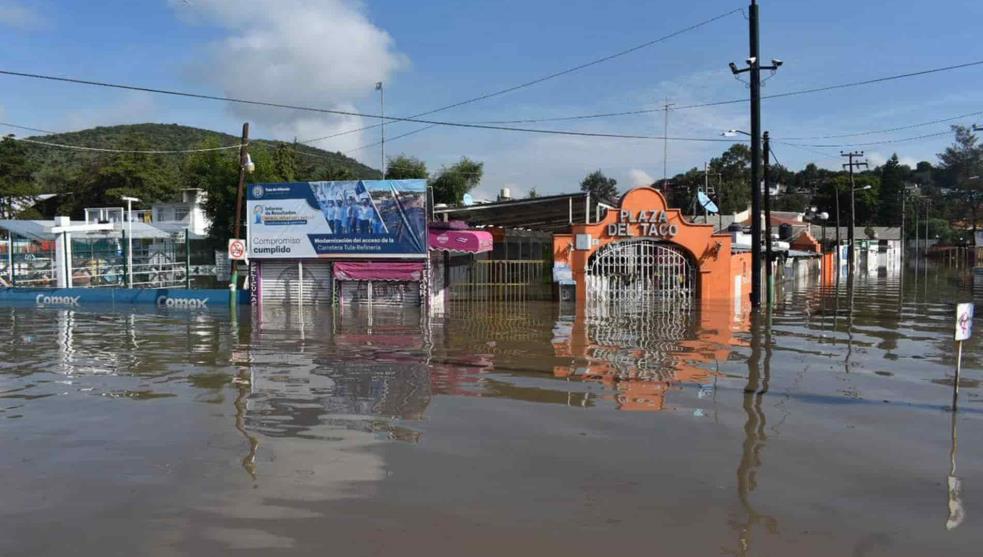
496	430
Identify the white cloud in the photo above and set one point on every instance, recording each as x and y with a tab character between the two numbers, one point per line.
324	54
16	15
638	177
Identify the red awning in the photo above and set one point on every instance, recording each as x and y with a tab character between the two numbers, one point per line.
461	241
379	270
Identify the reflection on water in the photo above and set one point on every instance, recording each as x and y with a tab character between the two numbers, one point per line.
820	425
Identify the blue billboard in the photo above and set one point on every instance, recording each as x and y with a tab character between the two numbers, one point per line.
360	218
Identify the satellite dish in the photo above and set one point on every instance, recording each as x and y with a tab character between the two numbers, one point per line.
707	203
467	200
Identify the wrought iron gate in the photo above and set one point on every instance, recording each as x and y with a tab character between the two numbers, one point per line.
640	272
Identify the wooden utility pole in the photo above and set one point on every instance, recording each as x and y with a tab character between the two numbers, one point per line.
237	225
853	205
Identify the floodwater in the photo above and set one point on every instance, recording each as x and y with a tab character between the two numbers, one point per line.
496	430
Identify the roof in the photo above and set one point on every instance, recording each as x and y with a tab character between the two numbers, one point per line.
41	230
859	232
547	214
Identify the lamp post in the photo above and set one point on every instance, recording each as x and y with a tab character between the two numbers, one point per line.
129	239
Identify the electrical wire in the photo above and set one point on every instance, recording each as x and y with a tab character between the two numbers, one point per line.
885	142
343	112
125	151
549	76
886	130
418	130
15	126
741	100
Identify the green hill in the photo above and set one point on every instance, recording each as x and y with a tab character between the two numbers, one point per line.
55	164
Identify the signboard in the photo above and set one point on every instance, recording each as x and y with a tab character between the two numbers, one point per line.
964	321
351	219
237	250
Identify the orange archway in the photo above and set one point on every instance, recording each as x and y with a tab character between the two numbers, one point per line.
643	212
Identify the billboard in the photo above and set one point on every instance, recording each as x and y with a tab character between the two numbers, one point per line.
360	218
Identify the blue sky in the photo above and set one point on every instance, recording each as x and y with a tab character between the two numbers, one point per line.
329	53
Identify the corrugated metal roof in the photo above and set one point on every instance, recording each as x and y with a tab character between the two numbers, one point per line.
41	230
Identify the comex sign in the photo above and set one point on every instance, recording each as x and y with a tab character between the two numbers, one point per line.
43	300
184	303
652	223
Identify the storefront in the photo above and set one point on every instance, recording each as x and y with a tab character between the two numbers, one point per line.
643	253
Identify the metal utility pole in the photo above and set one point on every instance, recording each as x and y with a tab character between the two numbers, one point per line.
237	225
769	273
665	141
754	68
853	189
382	128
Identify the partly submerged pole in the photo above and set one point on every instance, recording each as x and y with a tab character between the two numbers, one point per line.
236	226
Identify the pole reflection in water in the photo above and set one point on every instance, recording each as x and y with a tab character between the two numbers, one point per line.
755	438
954	486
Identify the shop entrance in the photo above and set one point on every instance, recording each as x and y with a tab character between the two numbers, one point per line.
640	272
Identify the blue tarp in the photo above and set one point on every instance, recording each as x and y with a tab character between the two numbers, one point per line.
174	298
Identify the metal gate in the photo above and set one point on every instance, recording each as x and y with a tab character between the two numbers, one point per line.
640	272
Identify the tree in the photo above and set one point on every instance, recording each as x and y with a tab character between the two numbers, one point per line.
16	182
405	167
454	181
959	166
893	176
533	194
285	162
600	187
217	174
109	178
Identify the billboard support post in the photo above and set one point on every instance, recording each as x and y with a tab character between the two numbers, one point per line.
236	225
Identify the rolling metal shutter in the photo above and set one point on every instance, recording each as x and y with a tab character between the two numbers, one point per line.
381	292
280	281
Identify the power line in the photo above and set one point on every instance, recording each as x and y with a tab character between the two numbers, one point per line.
126	151
15	126
550	76
742	100
887	130
884	142
342	112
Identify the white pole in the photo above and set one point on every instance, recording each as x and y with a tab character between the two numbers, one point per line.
129	243
382	128
955	384
10	257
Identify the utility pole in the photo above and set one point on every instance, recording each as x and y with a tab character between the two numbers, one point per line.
754	68
769	273
853	205
237	225
665	141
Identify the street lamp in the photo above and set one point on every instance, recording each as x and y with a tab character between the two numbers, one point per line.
129	238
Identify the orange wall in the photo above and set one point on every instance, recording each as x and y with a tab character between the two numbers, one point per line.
710	252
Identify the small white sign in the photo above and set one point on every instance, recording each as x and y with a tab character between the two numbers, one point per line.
964	321
237	250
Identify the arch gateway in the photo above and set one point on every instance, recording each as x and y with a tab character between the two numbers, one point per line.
644	254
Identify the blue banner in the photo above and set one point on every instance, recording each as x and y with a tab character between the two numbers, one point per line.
363	218
171	298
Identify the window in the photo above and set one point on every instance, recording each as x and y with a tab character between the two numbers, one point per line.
181	213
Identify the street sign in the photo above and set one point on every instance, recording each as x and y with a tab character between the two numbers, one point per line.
964	321
237	250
